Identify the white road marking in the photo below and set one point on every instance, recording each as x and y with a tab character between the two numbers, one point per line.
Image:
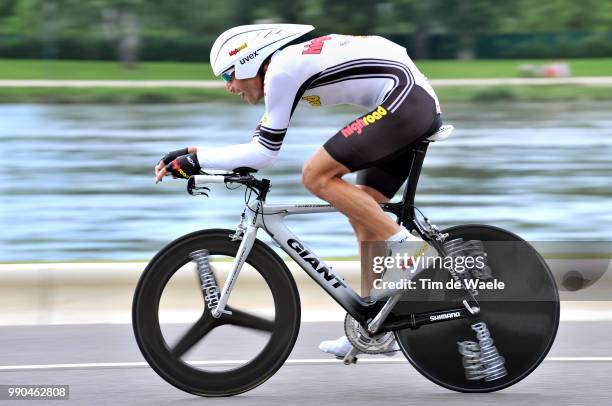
314	361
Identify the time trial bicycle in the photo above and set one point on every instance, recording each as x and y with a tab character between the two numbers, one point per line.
466	339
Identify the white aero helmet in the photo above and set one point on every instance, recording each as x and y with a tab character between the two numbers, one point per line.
246	47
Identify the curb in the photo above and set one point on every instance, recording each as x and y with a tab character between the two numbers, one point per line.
66	293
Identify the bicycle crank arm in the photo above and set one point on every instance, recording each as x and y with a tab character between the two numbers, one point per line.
350	357
416	320
375	324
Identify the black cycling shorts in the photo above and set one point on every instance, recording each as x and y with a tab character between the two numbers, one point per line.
378	145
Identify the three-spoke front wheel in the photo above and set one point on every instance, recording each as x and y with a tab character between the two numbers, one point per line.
197	352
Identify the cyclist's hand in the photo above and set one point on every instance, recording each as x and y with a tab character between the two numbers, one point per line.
166	165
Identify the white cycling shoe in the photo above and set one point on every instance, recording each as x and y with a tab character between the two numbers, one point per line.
342	346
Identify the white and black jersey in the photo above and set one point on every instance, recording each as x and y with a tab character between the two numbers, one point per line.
367	71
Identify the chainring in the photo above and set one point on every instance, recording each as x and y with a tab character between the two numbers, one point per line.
364	341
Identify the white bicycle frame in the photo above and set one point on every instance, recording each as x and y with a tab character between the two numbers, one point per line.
270	217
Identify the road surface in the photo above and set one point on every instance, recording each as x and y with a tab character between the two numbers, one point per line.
103	365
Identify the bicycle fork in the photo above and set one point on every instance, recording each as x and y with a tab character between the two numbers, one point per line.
248	239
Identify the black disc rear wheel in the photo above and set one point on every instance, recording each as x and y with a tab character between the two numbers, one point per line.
522	318
189	357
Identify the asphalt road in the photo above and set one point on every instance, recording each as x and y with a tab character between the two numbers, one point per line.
111	370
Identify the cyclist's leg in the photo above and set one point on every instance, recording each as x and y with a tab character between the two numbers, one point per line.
382	182
375	138
366	204
341	346
380	158
374	181
367	252
322	175
381	153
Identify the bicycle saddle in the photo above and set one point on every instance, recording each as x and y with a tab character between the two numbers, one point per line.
443	133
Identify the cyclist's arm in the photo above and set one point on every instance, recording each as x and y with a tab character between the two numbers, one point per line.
262	151
252	155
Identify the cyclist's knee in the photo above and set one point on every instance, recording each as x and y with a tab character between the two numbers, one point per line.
312	178
315	177
319	169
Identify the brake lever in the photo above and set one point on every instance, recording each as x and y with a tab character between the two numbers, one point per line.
201	191
196	191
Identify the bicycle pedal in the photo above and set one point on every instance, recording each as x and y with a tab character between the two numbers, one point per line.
350	357
348	362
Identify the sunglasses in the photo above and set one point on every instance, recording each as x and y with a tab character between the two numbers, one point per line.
228	75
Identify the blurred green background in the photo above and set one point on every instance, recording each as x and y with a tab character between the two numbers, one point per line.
101	202
184	30
171	40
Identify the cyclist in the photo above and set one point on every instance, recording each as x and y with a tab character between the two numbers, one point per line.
258	62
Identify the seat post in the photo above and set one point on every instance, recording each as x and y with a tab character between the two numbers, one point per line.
416	163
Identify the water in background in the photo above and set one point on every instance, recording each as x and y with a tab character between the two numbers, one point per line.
78	181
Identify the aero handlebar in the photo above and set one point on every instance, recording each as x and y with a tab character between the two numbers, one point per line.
196	185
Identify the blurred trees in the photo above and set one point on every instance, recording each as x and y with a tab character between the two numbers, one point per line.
563	15
126	23
468	18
